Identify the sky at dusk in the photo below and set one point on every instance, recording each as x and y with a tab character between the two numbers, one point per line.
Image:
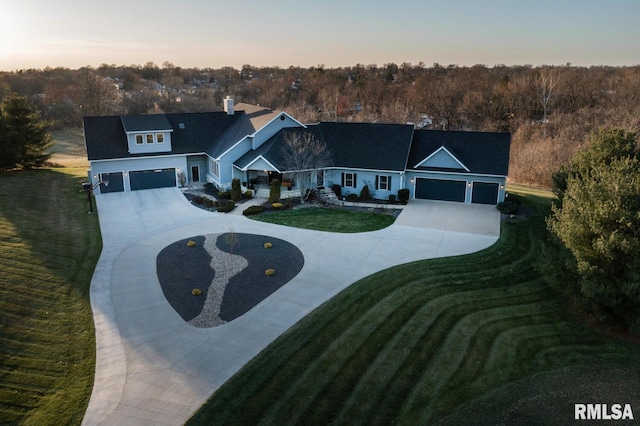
212	33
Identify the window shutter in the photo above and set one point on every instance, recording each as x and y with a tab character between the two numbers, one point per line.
342	180
355	180
389	183
377	183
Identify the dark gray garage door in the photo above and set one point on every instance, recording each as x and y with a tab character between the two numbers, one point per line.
485	193
116	184
445	190
149	179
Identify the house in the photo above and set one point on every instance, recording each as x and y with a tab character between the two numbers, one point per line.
247	142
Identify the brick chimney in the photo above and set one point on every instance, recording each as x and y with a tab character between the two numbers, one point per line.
227	103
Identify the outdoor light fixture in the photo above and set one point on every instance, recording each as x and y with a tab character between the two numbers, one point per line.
411	180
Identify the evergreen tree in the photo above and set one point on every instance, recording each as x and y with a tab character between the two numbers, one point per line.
274	191
236	190
598	221
24	136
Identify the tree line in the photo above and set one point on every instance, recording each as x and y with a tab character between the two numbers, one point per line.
549	110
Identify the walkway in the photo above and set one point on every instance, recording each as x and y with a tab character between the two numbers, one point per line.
152	367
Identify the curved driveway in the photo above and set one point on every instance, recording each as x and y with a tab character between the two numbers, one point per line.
154	368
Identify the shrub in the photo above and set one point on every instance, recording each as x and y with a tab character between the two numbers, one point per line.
196	292
392	198
365	195
403	196
337	189
209	188
226	207
236	191
268	245
269	272
508	207
225	195
251	210
197	199
277	206
208	203
274	193
514	199
248	193
352	198
191	243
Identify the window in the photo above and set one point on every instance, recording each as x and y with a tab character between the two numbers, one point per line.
139	140
149	138
160	137
383	183
215	167
349	180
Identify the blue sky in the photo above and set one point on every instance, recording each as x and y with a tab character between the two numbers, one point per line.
212	33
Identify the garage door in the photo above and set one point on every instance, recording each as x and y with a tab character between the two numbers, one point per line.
116	184
149	179
485	193
445	190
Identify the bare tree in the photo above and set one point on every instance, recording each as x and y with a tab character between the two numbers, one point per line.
304	156
546	83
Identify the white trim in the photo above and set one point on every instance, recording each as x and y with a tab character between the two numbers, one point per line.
455	173
245	168
253	135
235	144
145	157
363	170
448	152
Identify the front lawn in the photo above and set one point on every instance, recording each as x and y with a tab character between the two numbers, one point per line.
49	249
417	342
329	219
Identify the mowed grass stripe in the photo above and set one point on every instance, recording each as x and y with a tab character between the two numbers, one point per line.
49	249
412	343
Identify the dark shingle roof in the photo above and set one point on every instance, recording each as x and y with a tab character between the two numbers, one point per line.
142	123
273	149
481	152
251	119
368	146
105	137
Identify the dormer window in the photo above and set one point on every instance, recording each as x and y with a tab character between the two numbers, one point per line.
147	133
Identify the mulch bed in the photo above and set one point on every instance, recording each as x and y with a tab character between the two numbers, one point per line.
181	269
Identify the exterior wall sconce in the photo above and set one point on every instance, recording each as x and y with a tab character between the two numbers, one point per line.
411	180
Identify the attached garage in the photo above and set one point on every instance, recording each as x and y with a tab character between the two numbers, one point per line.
115	182
150	179
444	190
485	193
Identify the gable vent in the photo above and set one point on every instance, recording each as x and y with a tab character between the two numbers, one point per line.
181	126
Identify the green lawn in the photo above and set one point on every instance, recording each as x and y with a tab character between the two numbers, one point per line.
328	219
49	248
414	343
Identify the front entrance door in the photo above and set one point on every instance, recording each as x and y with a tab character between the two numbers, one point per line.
195	173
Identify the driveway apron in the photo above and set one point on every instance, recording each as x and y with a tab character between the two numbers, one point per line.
154	368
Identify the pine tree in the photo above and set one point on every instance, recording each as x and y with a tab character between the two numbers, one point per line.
24	136
598	222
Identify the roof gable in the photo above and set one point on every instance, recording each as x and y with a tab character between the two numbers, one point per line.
479	152
442	158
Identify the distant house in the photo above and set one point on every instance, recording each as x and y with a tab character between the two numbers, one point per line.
246	142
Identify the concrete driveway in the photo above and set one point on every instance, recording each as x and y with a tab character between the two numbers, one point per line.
154	368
